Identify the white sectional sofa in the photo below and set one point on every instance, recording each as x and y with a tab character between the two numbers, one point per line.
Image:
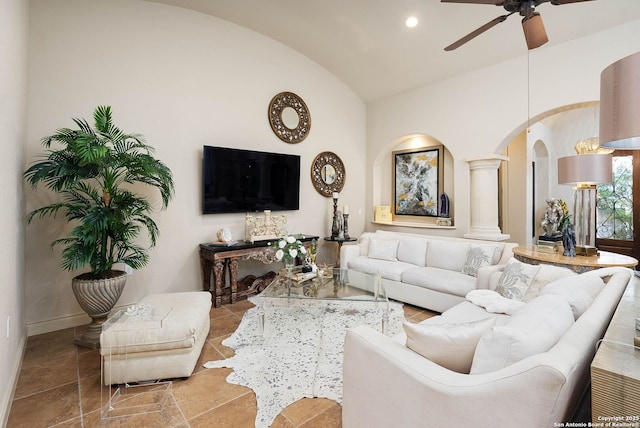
432	272
471	367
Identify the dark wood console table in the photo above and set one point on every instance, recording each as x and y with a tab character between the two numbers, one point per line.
216	260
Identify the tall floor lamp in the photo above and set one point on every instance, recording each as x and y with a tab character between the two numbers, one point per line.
585	171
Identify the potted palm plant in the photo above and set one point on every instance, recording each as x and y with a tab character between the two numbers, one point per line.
97	172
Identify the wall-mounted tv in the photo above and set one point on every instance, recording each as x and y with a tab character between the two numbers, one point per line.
235	180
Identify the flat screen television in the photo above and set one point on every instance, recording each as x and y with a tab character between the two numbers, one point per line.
236	180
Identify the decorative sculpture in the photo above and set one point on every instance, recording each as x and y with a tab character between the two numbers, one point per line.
443	215
552	218
444	206
263	228
569	241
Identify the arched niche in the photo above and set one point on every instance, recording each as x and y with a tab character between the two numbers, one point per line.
382	176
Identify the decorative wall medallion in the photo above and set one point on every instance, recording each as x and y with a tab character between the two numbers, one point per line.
327	173
289	117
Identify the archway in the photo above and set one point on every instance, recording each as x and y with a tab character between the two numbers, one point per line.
530	176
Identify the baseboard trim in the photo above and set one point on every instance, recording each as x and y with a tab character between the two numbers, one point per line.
62	323
5	403
57	324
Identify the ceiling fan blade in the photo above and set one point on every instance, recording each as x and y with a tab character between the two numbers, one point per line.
534	31
477	32
493	2
560	2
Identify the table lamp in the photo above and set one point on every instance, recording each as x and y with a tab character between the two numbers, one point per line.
585	171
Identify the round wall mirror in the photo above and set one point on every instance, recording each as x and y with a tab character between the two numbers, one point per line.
327	173
289	117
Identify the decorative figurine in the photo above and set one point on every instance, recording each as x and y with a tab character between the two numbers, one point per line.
444	206
552	218
569	241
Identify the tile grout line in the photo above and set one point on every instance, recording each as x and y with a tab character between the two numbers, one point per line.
77	353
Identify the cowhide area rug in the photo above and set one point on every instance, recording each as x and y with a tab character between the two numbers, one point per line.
300	352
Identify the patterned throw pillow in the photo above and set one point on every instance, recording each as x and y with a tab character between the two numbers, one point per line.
478	256
515	279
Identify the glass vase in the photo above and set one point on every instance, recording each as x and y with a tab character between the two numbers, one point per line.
288	264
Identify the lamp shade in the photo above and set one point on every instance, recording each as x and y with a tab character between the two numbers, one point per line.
620	104
534	32
585	169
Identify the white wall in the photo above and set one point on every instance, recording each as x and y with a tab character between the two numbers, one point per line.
479	113
13	117
184	80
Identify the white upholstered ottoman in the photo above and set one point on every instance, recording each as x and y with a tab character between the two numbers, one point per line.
142	347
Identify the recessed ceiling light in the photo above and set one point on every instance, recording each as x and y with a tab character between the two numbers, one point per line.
411	22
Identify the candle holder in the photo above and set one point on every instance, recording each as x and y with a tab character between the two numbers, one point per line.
335	226
346	225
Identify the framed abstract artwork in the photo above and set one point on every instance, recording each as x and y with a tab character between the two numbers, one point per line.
417	181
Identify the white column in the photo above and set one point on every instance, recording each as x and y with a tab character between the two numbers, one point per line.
483	177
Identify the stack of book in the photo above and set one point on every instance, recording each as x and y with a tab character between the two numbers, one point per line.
550	244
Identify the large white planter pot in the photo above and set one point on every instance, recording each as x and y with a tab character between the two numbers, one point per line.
97	297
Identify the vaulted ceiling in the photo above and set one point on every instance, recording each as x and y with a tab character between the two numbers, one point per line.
366	44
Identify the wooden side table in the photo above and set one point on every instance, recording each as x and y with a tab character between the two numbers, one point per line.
339	241
578	264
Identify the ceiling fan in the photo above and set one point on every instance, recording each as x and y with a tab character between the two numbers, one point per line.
532	25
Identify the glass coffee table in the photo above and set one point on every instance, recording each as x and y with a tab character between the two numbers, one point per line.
329	284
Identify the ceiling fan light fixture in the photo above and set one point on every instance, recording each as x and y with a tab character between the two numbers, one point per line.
534	31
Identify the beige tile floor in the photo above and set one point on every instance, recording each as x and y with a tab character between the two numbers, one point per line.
59	385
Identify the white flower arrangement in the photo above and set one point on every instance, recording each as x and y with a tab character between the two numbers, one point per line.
288	248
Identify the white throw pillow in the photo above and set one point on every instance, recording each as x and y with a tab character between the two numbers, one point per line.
546	275
450	255
516	279
534	328
580	291
383	249
493	302
449	345
413	250
478	256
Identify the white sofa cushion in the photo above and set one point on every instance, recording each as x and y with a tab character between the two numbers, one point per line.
413	250
449	345
448	255
446	281
481	255
179	319
545	275
532	329
383	249
516	279
579	293
387	269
